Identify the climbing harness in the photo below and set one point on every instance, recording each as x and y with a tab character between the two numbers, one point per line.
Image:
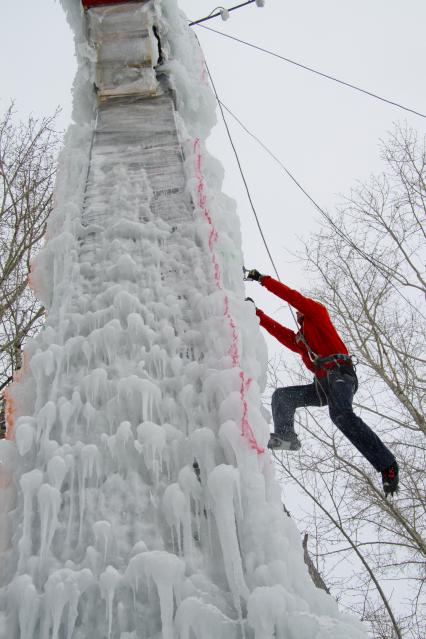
318	361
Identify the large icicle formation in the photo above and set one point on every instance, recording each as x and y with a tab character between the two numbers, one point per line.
149	360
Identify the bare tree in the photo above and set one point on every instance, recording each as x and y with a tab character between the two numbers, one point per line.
27	171
367	257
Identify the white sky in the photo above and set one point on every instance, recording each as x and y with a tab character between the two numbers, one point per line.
326	134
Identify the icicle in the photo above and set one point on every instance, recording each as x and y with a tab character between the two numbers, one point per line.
77	584
56	471
219	385
124	434
111	334
56	599
105	342
90	467
71	465
140	398
187	399
25	433
26	602
235	447
203	444
73	348
176	512
96	387
89	414
195	618
29	606
134	571
49	501
91	462
42	367
139	548
30	483
138	334
175	439
64	588
167	572
191	488
157	361
152	439
58	357
45	420
68	412
124	269
223	485
190	485
274	612
125	304
108	582
103	535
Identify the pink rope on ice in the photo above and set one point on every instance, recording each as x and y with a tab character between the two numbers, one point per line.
246	430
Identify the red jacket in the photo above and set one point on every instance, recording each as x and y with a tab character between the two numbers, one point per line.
318	331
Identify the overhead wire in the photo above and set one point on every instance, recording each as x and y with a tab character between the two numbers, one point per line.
320	73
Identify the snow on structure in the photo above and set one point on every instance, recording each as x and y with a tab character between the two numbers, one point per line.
149	361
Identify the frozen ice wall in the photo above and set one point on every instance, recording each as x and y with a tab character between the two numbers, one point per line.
137	497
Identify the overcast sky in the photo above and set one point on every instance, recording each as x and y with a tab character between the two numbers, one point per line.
326	134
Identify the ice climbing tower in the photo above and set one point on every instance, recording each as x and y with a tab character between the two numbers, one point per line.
137	499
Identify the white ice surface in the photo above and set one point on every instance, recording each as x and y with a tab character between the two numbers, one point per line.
149	360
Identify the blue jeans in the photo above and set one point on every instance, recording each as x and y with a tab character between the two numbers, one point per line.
337	391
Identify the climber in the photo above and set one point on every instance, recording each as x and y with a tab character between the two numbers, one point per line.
335	381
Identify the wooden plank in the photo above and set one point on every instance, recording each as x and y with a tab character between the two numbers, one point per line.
126	49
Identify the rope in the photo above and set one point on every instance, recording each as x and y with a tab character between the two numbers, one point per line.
253	208
320	73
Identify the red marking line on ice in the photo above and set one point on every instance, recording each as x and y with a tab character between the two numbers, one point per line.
246	430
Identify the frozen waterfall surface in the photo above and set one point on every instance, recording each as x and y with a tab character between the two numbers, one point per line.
137	496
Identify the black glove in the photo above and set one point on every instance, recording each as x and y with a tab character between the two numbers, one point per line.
249	299
254	275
